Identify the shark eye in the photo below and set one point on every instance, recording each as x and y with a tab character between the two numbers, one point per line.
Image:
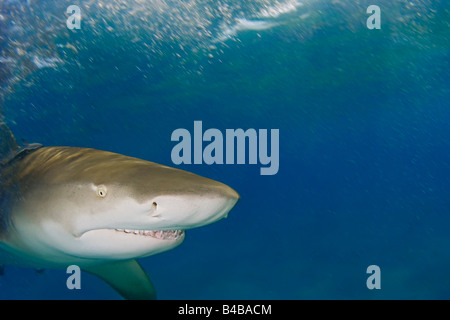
101	191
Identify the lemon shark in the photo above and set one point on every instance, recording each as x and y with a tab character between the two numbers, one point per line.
99	210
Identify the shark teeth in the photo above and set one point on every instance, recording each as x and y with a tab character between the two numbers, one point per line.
160	234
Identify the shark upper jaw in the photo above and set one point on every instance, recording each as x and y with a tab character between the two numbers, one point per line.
157	234
166	217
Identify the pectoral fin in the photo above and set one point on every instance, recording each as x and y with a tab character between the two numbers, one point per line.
127	278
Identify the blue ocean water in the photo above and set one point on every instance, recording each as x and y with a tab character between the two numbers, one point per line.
363	116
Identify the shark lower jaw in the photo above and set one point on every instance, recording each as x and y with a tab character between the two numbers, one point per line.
120	244
142	236
132	234
157	234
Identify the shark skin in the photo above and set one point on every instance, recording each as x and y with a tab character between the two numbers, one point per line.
99	210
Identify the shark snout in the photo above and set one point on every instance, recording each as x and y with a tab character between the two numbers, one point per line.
231	197
228	197
198	206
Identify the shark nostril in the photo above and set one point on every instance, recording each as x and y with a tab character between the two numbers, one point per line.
153	211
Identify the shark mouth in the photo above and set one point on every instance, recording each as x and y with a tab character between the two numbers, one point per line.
160	234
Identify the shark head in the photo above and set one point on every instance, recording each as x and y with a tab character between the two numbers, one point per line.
79	204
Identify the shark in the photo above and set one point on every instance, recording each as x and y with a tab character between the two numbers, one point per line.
99	210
